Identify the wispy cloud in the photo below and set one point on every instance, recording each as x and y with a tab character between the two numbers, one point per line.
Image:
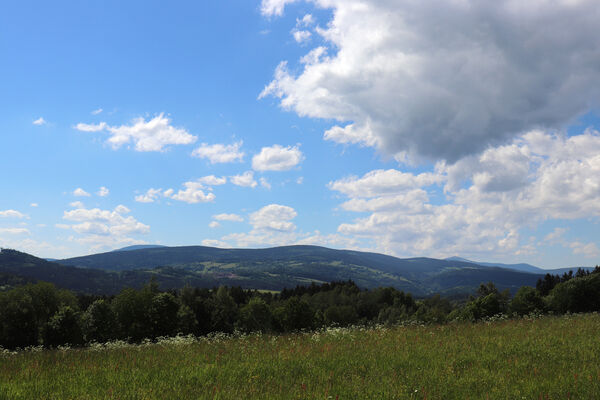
12	214
79	192
220	153
103	191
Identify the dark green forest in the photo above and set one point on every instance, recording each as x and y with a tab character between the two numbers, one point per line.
267	269
39	313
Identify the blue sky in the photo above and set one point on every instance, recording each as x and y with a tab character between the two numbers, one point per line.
463	129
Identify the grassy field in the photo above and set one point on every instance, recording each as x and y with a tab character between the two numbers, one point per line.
546	358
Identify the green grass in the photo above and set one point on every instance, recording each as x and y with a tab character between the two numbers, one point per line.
546	358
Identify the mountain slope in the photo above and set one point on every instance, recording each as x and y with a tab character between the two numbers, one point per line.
278	267
522	267
274	269
30	268
182	256
466	279
138	247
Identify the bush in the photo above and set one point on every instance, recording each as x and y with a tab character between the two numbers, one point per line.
295	315
526	301
576	295
99	322
63	328
18	325
255	316
163	314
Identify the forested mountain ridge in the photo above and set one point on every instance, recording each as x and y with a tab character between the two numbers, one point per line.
183	256
289	266
17	268
523	267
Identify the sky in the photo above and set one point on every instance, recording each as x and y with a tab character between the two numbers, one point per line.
411	128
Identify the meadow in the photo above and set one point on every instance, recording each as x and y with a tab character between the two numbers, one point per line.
529	358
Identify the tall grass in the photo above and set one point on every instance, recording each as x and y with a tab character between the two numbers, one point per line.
546	358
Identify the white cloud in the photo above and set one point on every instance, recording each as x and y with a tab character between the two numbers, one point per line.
103	192
77	204
411	202
211	180
98	243
274	217
277	158
103	228
34	205
214	224
220	153
274	7
556	235
300	180
351	134
39	121
381	182
28	245
332	240
91	127
588	250
12	214
215	243
97	111
15	231
228	217
152	135
193	193
112	218
265	183
150	196
489	199
246	179
272	226
447	79
79	192
301	36
307	20
312	57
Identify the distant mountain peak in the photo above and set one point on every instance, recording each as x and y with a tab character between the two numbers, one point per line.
457	258
139	247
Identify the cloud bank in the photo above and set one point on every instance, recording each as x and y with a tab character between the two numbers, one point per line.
444	80
489	199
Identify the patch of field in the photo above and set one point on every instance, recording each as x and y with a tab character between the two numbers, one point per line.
546	358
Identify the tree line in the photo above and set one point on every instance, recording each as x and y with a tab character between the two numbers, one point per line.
41	314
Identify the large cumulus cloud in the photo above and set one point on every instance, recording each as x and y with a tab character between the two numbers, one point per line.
490	200
444	79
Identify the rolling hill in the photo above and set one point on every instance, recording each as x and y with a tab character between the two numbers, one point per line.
522	267
288	266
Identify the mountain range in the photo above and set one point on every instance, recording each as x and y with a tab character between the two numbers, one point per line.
521	267
267	269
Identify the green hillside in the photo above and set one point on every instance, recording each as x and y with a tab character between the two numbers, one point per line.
288	266
269	269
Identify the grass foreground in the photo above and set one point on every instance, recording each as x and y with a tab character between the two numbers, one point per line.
543	358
